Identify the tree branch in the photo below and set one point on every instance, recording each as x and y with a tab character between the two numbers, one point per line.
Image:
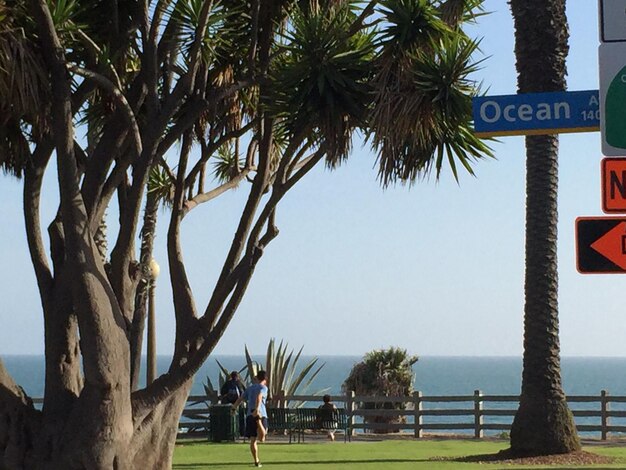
365	13
184	307
210	195
94	300
33	180
247	217
94	47
119	97
213	147
208	331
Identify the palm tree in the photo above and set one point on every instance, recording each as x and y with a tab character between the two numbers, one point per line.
543	423
383	372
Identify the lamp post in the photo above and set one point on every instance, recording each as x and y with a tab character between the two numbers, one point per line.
151	369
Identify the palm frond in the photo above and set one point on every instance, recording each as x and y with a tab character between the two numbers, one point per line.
425	118
409	25
456	12
25	95
320	83
63	13
226	25
14	149
227	164
160	184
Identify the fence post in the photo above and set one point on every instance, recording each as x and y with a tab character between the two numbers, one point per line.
417	409
350	411
604	415
478	415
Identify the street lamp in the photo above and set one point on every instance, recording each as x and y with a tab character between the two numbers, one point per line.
151	369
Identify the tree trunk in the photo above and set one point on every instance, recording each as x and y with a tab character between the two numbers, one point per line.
543	424
154	439
31	441
148	232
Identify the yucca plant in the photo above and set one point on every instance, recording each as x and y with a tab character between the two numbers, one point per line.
285	373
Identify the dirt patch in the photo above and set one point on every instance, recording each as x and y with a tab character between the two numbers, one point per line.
504	457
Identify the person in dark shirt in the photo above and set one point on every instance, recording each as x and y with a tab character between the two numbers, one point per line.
328	417
232	389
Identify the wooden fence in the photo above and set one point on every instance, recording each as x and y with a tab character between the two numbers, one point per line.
469	414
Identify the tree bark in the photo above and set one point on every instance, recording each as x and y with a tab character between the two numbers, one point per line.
18	420
139	319
152	446
31	440
543	423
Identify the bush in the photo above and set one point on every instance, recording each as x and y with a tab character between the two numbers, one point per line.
386	372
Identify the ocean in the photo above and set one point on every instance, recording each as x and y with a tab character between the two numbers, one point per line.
433	375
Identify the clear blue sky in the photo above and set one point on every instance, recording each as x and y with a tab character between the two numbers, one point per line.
437	268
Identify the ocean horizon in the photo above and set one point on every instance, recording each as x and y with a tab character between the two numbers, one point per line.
434	375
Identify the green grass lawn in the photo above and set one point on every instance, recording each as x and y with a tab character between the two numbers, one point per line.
395	455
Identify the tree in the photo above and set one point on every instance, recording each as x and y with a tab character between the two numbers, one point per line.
543	423
268	89
383	372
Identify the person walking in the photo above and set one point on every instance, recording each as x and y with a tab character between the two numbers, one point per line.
255	397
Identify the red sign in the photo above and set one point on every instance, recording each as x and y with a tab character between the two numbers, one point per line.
601	245
614	185
612	245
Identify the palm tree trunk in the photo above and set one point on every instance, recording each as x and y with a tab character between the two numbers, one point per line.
543	424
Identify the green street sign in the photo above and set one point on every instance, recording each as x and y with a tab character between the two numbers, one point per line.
613	98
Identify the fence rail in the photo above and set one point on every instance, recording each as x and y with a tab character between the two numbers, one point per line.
475	413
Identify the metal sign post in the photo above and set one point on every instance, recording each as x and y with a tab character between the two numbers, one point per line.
612	20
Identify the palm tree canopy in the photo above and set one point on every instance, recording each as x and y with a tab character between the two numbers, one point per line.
383	372
399	71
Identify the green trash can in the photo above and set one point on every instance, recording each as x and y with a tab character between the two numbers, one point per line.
222	425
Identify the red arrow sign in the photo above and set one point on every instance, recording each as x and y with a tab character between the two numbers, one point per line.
612	245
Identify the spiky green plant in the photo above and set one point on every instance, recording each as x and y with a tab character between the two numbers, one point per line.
383	372
321	79
161	185
227	163
25	91
422	92
284	372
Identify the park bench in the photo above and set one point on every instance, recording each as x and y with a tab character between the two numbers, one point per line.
281	420
316	419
